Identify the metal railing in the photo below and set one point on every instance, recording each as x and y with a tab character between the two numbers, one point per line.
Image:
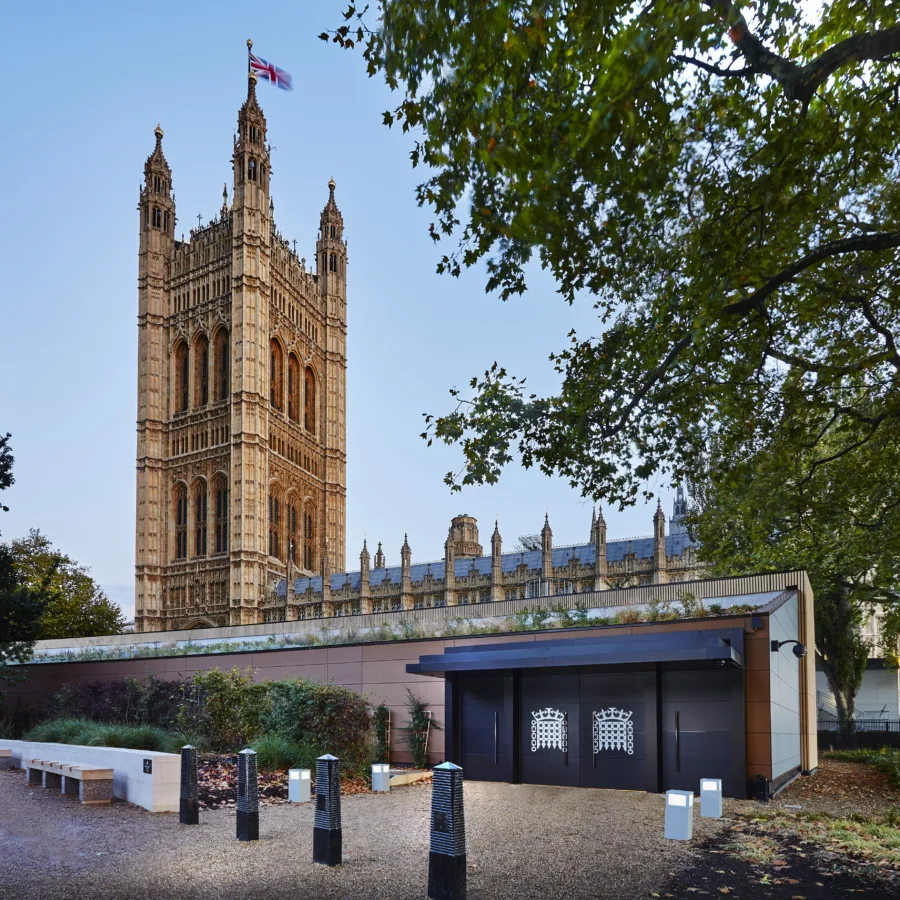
886	726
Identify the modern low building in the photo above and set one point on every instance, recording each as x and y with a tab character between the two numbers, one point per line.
664	684
650	707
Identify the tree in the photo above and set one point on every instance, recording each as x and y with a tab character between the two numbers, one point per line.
756	510
722	186
21	606
77	607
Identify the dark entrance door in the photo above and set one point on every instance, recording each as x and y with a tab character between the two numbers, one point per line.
703	729
549	742
618	733
485	727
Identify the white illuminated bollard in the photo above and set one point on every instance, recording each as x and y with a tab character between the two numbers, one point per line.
381	777
298	785
711	798
679	815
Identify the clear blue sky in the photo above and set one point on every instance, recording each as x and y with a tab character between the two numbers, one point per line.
85	86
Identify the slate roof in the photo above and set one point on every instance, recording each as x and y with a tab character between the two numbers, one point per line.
509	562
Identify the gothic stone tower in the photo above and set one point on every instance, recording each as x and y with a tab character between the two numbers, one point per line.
241	452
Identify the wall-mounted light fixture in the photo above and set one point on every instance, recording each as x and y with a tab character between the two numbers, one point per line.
799	650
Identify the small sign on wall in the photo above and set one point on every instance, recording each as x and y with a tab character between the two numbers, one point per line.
148	766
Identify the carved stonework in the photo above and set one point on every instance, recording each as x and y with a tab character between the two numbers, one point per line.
236	282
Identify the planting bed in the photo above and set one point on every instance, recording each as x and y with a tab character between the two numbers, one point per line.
217	783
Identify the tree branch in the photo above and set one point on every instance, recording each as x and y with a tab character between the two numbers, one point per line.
886	240
652	378
800	82
886	333
717	70
807	365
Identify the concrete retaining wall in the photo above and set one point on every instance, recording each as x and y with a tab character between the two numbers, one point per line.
157	791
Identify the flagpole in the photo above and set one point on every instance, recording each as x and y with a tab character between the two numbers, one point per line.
249	48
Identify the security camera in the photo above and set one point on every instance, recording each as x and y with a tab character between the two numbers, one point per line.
799	650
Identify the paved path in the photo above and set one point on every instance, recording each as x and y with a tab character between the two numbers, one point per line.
524	842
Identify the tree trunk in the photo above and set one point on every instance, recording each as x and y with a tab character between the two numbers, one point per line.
845	702
844	652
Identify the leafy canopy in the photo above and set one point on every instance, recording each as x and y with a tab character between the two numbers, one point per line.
21	606
77	606
755	510
720	180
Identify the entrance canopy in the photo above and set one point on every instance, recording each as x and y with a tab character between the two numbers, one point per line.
724	646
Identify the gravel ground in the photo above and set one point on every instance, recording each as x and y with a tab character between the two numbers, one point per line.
524	841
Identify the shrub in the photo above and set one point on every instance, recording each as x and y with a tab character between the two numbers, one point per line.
228	707
418	728
380	720
151	701
173	741
58	731
99	734
321	718
133	737
691	606
628	616
275	751
660	611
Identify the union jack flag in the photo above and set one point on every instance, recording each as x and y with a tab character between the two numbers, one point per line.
266	70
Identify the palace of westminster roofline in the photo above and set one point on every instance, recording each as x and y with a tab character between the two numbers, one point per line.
466	575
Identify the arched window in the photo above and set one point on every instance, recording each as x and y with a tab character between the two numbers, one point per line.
201	371
221	515
274	523
222	352
157	217
333	231
276	376
182	377
200	510
293	388
251	170
181	512
309	403
293	522
309	537
332	263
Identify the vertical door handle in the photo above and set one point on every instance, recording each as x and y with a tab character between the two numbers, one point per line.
496	738
677	742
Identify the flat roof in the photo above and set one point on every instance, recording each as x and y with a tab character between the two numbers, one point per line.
724	645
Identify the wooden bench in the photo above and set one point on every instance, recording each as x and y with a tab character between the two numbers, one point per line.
92	784
6	760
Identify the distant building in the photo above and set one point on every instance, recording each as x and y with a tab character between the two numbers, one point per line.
467	575
241	435
241	452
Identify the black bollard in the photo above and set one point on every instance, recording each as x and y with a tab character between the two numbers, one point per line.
190	805
327	837
248	797
447	859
